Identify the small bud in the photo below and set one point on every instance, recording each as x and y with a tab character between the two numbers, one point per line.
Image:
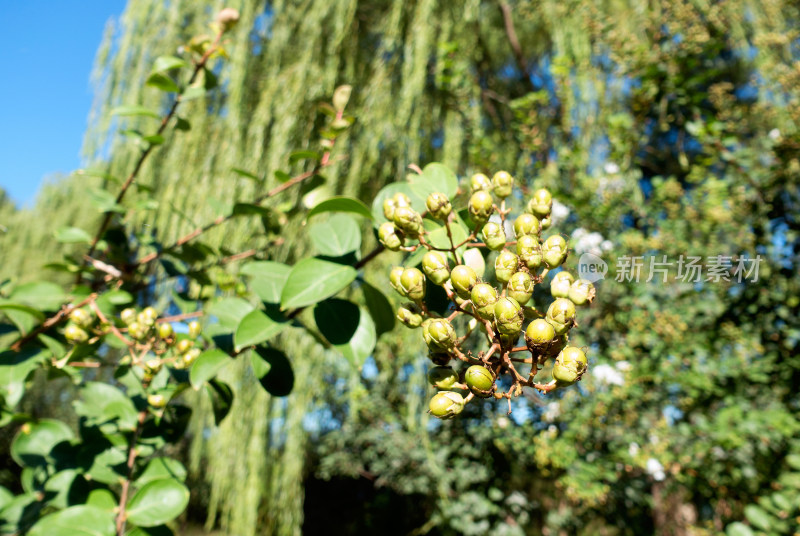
581	292
526	224
463	279
191	356
479	182
184	345
442	377
561	314
165	330
408	221
570	365
435	266
394	279
479	380
520	287
341	96
446	404
505	266
554	251
502	184
75	334
529	251
539	333
541	203
227	18
413	283
508	316
390	237
194	329
494	236
545	223
480	206
438	334
410	315
128	316
157	400
81	317
438	205
560	284
484	297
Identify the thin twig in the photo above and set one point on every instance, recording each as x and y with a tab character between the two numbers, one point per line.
123	498
52	321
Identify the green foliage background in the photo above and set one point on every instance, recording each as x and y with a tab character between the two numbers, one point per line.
695	104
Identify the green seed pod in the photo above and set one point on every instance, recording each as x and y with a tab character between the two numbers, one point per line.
502	183
442	378
555	347
153	366
526	224
494	236
505	265
561	314
438	205
75	334
194	329
581	292
128	316
554	251
191	356
463	279
137	331
540	204
479	380
408	221
157	400
520	287
165	330
480	206
508	316
394	279
570	365
446	404
560	284
439	358
539	333
81	317
435	266
150	314
413	283
484	297
391	238
439	334
545	223
389	206
410	315
479	182
529	251
184	345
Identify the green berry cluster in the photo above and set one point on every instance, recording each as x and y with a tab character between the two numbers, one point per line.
498	309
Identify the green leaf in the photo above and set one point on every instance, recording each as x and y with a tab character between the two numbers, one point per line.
162	467
247	174
34	441
158	502
757	516
163	82
282	176
302	155
101	403
42	295
20	512
167	63
5	497
337	236
154	139
127	111
249	209
221	399
273	370
388	191
207	365
268	279
739	529
103	499
182	124
72	235
118	297
104	201
347	327
312	280
229	311
7	306
435	177
380	309
256	328
83	520
341	204
15	368
794	461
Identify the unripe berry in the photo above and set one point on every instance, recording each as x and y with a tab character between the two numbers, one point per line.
137	331
570	365
81	317
394	279
502	183
410	315
480	206
439	358
581	292
479	380
157	400
153	366
194	329
408	221
463	279
390	236
442	378
560	284
446	404
147	317
539	333
520	287
493	236
184	345
478	182
554	251
505	266
526	224
545	223
391	203
75	334
529	251
413	283
541	203
435	266
128	316
484	297
191	356
165	330
438	205
508	316
561	314
439	334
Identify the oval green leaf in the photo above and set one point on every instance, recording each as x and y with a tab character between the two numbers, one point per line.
337	236
312	280
268	279
81	520
162	467
435	177
158	502
347	327
342	204
33	443
208	364
256	328
273	370
128	111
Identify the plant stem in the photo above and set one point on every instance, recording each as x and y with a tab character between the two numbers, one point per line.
126	484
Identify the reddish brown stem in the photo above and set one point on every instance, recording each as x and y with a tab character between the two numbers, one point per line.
50	322
126	484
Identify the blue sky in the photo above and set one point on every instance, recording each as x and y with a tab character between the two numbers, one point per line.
48	48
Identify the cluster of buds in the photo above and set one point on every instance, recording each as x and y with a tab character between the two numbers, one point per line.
498	311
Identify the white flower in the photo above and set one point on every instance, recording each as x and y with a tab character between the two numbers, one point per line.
608	375
774	134
558	213
655	469
611	168
607	245
608	185
633	449
503	422
586	242
552	411
624	366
